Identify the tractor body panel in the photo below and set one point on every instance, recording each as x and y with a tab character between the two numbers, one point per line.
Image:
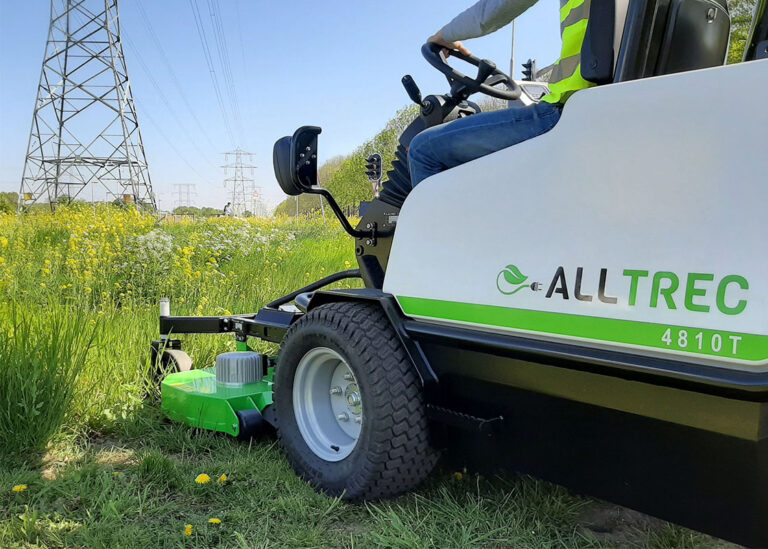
195	398
637	233
609	315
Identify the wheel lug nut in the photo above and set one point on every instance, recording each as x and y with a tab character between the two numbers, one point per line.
336	390
348	376
343	417
358	419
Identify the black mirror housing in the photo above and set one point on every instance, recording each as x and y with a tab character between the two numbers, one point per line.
295	160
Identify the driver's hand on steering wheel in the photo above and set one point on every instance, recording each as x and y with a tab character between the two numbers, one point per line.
437	38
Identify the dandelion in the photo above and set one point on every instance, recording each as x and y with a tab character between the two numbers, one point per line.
202	479
116	473
457	476
188	530
19	488
214	521
222	479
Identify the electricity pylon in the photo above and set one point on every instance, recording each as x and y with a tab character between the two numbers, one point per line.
85	134
183	194
243	188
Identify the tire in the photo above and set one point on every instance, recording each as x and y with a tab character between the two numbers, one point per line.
170	362
392	453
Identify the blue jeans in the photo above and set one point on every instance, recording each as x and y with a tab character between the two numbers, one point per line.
448	145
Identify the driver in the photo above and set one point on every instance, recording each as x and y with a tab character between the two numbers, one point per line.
447	145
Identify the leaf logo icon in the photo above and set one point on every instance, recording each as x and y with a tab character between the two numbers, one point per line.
509	281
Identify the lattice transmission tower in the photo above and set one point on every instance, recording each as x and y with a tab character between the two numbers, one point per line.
183	194
245	195
85	141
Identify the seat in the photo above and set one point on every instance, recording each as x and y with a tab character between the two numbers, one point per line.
631	39
670	36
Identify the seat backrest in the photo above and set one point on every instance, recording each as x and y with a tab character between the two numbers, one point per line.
669	36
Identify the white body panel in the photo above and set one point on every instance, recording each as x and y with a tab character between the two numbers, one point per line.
659	174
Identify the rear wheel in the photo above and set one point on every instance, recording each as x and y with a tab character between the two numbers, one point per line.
350	410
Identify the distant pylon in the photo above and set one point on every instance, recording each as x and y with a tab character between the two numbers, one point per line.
183	194
85	134
242	187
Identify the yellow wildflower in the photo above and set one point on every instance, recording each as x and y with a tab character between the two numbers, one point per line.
19	488
3	242
188	530
203	479
214	521
222	479
457	476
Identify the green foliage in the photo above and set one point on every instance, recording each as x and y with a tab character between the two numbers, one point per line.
307	204
741	19
199	212
8	202
349	184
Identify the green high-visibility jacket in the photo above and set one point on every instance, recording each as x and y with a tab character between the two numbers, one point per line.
566	75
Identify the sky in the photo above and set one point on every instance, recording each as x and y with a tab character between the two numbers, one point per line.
331	63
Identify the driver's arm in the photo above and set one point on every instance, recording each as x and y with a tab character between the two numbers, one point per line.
483	18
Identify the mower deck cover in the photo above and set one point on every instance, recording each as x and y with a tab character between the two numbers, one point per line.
196	399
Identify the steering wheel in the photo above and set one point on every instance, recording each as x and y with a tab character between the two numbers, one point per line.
488	75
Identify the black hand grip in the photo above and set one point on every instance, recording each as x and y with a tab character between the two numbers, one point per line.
411	89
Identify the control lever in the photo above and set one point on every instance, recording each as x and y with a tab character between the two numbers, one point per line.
484	70
411	89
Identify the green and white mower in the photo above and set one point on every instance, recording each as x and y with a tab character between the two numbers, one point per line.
604	327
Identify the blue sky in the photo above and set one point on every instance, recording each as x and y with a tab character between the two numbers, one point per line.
336	64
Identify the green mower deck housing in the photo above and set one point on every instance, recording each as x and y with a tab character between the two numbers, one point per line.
195	398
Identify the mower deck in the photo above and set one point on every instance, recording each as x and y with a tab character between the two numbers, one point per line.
196	399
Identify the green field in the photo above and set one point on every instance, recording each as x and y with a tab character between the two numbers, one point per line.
82	438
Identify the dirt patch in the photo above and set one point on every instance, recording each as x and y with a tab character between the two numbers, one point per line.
622	528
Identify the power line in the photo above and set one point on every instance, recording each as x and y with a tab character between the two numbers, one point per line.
169	68
165	101
224	58
159	130
211	69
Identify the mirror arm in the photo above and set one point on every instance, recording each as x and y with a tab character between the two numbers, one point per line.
340	214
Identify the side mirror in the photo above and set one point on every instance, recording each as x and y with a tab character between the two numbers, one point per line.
295	160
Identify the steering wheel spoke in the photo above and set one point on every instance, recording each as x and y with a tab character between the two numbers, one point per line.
488	74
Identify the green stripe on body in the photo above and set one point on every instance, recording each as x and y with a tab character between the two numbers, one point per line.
750	347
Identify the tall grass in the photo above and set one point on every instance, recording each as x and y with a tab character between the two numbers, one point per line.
41	356
78	304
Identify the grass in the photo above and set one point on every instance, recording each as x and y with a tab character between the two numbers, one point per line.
103	468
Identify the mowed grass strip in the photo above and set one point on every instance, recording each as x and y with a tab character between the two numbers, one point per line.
137	489
81	428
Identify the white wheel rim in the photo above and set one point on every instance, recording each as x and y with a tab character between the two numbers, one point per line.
327	404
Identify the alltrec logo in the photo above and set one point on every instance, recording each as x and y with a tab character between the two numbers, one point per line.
696	292
510	281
